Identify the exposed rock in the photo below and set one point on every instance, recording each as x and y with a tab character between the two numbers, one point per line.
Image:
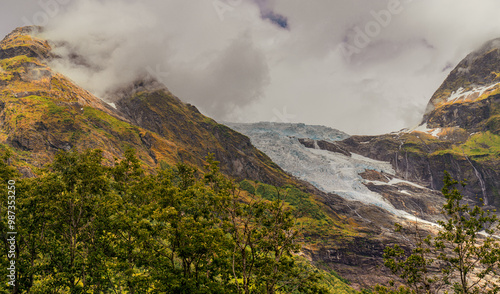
308	143
323	145
471	116
373	175
26	172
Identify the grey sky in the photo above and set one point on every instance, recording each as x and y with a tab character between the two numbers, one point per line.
363	66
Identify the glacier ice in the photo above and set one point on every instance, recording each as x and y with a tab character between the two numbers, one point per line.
328	171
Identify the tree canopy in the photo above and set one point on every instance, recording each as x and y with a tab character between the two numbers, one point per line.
86	227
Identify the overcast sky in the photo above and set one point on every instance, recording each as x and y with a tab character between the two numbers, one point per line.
361	66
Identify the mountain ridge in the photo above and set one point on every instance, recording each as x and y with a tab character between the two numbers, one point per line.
459	131
42	112
27	78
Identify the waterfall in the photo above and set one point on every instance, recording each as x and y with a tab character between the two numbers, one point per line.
481	181
430	173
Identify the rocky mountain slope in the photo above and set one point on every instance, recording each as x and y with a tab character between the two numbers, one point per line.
42	111
460	131
371	194
312	154
402	172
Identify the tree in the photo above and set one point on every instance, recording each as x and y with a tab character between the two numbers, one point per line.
419	271
263	248
464	255
129	226
87	227
72	207
467	244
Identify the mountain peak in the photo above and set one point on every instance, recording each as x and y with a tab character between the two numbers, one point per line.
24	41
147	84
476	76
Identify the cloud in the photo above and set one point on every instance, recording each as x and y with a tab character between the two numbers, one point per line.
264	56
106	45
267	13
232	80
14	13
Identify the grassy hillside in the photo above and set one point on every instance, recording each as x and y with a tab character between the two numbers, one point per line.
41	111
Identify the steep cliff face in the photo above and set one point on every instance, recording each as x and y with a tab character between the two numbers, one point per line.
459	132
159	111
425	162
474	78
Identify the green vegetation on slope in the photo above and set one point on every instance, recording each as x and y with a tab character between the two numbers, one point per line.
84	227
315	225
481	147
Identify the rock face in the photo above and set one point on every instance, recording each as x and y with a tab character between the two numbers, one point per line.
323	145
157	110
460	131
368	192
477	70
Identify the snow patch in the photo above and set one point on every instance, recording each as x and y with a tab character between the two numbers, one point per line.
435	132
398	181
462	95
423	128
112	105
393	182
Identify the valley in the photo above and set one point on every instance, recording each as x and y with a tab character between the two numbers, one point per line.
346	193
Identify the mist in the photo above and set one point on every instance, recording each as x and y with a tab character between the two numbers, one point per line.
106	45
276	60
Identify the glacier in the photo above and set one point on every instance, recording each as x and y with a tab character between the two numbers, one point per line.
328	171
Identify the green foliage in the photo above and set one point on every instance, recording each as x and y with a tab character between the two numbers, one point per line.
247	186
302	202
473	257
463	257
481	147
85	227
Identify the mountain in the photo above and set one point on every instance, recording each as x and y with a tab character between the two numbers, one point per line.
42	111
369	192
346	191
401	173
344	224
460	131
311	153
